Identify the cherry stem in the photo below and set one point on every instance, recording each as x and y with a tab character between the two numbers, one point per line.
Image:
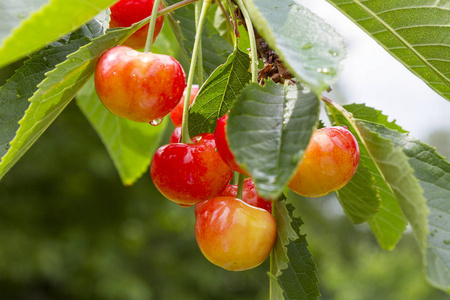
160	13
151	27
240	185
251	36
185	138
198	7
228	22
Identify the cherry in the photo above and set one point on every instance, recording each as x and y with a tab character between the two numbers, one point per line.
234	235
329	163
190	173
176	135
249	195
140	86
176	115
127	12
223	147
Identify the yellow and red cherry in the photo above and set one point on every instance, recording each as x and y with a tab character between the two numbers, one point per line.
249	195
189	173
125	13
176	115
139	86
233	234
223	148
329	163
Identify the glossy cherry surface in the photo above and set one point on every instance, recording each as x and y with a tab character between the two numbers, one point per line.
222	145
234	235
176	135
190	173
176	115
249	195
125	13
329	163
139	86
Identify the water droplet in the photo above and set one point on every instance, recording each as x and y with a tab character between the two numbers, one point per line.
156	122
7	146
440	216
432	234
333	53
307	46
447	242
435	230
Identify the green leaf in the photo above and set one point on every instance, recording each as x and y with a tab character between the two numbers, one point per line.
276	123
28	25
215	48
415	32
293	269
389	223
20	87
130	144
359	197
399	175
56	91
218	93
309	47
433	173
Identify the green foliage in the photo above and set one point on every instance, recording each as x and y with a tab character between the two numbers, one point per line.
393	164
129	144
215	48
218	93
359	198
305	43
431	181
433	173
415	32
29	25
48	92
389	223
293	277
276	122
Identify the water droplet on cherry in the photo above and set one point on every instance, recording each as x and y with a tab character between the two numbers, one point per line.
156	122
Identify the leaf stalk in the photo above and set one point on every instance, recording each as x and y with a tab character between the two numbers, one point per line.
151	27
185	138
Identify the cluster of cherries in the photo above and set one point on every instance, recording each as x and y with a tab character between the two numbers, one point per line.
235	234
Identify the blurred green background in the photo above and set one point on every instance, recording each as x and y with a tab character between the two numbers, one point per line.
69	229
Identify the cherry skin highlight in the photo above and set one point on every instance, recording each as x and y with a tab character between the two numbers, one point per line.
222	145
125	13
329	163
189	173
139	86
234	235
176	115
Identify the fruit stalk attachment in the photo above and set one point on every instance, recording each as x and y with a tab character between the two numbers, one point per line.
151	28
185	138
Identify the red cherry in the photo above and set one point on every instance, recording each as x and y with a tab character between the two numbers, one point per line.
234	235
249	195
139	86
176	136
222	145
176	115
329	163
190	173
127	12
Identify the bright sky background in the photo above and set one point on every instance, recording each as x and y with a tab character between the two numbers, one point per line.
371	75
